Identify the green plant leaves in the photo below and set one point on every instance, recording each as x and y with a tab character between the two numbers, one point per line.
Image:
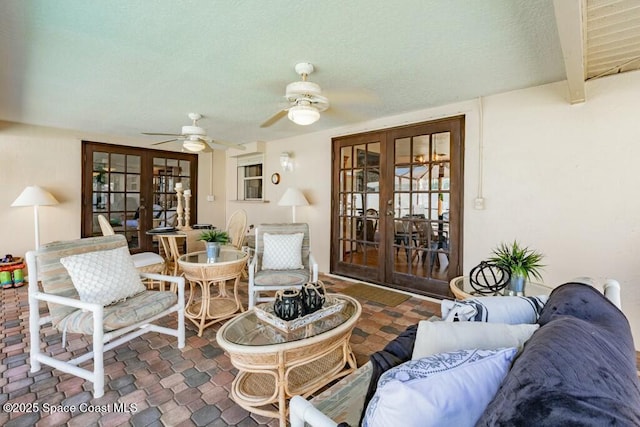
520	261
214	236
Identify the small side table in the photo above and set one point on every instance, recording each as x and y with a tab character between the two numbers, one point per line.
204	308
461	288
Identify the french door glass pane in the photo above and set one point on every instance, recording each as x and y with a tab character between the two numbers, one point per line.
116	193
166	174
420	200
441	146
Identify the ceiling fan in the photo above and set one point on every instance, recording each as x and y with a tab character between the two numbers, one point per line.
195	138
305	100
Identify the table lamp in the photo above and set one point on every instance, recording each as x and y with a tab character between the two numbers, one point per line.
35	196
293	197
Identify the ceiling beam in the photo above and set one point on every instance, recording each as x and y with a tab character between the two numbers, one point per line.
571	22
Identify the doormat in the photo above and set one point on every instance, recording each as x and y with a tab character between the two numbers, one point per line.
373	293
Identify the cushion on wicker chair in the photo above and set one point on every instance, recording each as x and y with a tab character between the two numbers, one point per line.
117	316
281	278
104	277
145	259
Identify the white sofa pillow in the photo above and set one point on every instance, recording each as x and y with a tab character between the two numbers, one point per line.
282	251
440	337
495	309
104	277
448	389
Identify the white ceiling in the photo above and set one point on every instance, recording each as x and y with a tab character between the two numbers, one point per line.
612	37
124	67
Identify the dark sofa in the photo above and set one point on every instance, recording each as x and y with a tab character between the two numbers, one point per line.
577	369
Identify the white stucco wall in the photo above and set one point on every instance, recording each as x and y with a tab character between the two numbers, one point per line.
51	158
560	178
557	177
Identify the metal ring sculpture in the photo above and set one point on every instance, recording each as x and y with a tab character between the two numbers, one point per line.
489	279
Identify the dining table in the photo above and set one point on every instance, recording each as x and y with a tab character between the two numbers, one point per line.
175	242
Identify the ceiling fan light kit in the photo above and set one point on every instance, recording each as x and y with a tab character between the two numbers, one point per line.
193	145
303	114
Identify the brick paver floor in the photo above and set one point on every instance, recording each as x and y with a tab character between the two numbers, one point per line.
148	379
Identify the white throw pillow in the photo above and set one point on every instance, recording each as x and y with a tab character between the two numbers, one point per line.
440	337
447	389
104	277
494	309
282	251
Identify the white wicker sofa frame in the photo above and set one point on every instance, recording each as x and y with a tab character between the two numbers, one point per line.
67	313
345	399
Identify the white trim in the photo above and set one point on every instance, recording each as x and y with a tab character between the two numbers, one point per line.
569	19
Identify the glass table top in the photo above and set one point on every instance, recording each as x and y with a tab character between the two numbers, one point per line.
226	255
247	329
530	288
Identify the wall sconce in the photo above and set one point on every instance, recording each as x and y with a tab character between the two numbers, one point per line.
285	162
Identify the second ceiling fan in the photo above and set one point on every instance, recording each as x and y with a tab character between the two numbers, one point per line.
195	138
305	99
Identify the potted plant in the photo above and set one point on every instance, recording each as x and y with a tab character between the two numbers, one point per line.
212	240
521	262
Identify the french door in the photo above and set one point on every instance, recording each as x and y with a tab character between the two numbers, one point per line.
134	188
397	206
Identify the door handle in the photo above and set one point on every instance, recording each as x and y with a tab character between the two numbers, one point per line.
390	213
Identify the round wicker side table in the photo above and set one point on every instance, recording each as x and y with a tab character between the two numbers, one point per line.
461	288
205	308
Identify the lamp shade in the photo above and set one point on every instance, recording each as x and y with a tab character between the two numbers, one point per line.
293	197
34	196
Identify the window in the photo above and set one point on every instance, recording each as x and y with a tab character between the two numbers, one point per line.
250	177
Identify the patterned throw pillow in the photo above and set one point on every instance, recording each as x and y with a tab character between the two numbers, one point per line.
446	389
104	277
497	309
282	251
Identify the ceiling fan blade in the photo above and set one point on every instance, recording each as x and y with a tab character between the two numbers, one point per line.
345	115
362	96
161	134
164	142
271	120
226	144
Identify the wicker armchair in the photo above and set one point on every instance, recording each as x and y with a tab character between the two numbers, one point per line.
263	280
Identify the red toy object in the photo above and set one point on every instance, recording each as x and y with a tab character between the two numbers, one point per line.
14	267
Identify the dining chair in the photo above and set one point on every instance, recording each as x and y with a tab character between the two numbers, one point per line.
236	228
145	262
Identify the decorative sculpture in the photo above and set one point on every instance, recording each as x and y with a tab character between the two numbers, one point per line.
489	279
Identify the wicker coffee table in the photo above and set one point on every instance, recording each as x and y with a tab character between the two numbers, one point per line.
274	365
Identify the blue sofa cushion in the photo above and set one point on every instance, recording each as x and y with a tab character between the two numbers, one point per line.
578	369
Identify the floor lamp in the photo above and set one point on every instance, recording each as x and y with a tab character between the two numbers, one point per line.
293	197
35	196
